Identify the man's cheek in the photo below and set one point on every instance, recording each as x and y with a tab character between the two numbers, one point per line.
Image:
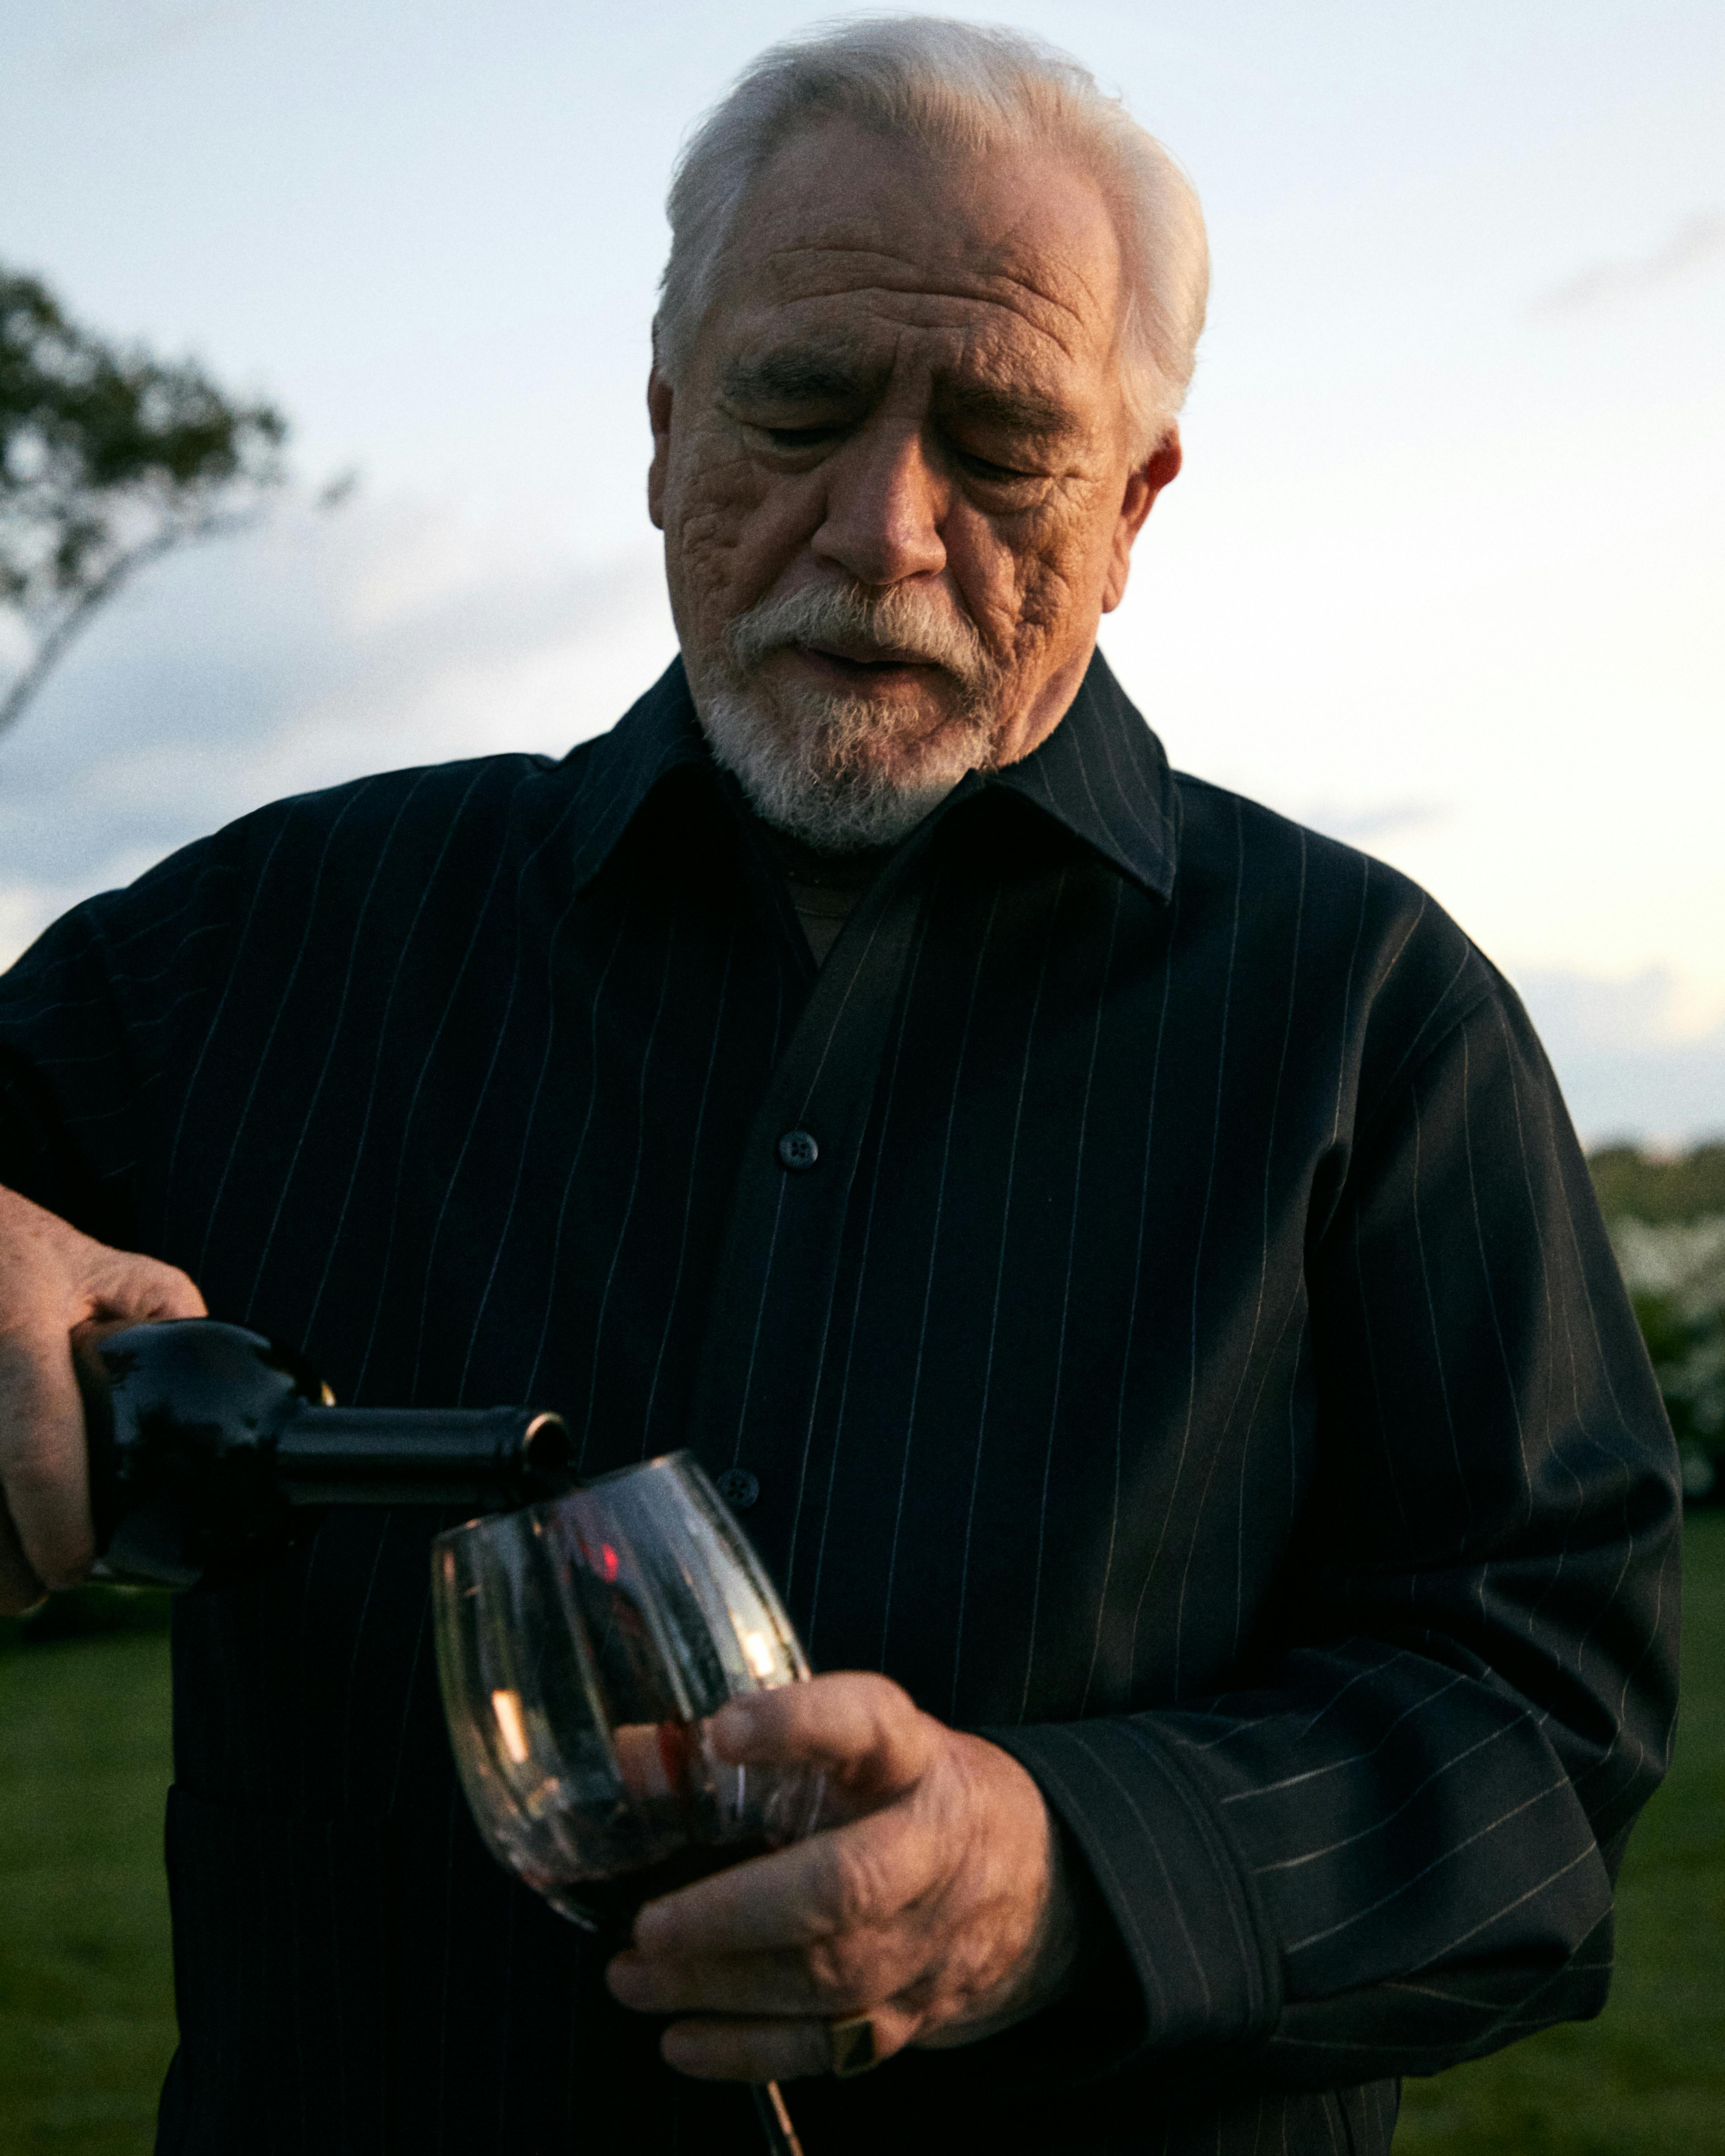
989	566
732	539
1019	575
1060	571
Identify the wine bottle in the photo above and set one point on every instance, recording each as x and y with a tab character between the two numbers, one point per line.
214	1451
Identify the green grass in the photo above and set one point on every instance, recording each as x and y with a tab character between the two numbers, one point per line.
86	2015
86	1993
1648	2078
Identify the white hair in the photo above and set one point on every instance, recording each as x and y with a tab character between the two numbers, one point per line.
958	87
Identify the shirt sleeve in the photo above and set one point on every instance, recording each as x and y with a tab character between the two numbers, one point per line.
97	1019
1393	1847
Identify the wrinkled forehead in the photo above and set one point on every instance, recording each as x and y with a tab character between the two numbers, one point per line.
852	241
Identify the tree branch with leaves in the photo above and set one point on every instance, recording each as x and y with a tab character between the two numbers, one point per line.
109	459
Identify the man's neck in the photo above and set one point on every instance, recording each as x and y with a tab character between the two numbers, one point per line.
824	887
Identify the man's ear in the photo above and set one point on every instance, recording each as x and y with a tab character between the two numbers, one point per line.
1143	483
658	411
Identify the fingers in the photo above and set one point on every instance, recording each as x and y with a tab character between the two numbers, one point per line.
126	1285
847	1879
758	2051
842	1976
53	1279
747	2050
944	1910
645	1773
778	1986
44	1466
835	1925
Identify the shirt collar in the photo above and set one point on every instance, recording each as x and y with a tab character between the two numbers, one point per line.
657	733
1102	773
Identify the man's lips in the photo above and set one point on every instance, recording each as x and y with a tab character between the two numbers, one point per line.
870	661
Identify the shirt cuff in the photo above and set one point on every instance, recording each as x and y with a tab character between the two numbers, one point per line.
1166	1907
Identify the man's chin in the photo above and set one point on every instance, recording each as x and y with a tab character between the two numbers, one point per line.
845	774
843	813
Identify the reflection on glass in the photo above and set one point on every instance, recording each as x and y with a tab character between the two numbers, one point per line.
583	1645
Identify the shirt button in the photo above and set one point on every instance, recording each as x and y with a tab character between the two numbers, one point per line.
738	1488
797	1150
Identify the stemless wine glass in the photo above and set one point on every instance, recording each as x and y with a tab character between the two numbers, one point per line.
582	1646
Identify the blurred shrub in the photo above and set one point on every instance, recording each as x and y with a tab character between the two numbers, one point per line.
1659	1187
1667	1222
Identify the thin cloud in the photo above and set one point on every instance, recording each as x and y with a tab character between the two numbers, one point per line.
1637	1059
1364	826
1697	241
298	657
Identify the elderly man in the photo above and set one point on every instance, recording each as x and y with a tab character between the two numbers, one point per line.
1125	1255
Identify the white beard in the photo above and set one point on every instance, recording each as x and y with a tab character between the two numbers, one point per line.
799	765
829	767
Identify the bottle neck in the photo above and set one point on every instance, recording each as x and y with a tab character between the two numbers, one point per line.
212	1451
488	1458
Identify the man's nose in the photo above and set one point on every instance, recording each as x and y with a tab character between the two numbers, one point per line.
884	508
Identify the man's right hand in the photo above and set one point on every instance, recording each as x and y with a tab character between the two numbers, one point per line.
51	1280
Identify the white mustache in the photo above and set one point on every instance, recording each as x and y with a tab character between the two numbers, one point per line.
901	624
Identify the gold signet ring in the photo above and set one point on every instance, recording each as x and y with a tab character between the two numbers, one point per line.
850	2045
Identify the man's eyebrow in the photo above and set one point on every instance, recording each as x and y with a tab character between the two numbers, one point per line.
817	377
796	377
1018	412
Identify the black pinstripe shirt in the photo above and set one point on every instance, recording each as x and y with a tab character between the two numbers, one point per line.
1193	1357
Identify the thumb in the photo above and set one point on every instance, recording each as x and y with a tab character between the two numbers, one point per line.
865	1731
121	1285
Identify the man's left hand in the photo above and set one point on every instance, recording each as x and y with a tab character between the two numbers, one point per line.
934	1902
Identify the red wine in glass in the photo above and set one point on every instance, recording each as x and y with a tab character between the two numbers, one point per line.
583	1646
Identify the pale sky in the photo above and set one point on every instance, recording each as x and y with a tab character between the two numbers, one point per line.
1443	573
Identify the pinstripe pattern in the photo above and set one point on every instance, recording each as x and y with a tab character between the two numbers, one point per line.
1195	1358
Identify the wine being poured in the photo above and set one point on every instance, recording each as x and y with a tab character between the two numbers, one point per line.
583	1646
586	1634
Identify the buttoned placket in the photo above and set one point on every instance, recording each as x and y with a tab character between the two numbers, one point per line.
767	1323
771	1319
